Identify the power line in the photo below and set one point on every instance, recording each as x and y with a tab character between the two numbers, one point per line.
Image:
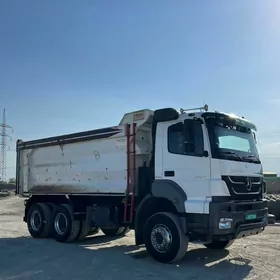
4	147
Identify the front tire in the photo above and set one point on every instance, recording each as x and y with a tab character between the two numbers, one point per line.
39	220
164	238
66	228
219	245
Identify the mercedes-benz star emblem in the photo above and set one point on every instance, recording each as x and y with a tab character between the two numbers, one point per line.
248	184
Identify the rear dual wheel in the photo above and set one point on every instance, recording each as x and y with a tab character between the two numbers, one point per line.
66	228
39	220
46	219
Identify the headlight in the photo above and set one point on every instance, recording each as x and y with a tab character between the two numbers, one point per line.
225	223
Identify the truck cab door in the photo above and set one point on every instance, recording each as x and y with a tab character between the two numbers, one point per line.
185	161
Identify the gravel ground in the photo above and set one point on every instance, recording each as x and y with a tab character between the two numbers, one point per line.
22	257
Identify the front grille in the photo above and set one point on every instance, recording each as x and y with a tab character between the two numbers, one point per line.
244	187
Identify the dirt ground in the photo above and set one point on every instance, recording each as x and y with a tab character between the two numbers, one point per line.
22	257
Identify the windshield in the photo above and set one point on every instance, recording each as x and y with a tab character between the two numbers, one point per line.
234	143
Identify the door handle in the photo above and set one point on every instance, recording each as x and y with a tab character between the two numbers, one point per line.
169	173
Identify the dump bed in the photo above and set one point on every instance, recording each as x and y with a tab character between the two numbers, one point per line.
91	162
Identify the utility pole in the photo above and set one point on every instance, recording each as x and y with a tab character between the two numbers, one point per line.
4	147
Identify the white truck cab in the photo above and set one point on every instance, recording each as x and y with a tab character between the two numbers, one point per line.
209	155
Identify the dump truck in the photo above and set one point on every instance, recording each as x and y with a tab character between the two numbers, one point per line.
173	176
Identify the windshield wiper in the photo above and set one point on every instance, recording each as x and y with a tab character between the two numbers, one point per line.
234	154
252	156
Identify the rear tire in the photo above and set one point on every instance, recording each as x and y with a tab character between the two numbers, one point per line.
66	228
39	220
121	231
219	245
164	238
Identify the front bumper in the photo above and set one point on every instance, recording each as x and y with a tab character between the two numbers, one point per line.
237	213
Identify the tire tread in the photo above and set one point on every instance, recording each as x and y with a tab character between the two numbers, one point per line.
75	224
47	220
84	231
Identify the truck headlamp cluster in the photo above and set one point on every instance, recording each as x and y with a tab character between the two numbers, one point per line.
225	223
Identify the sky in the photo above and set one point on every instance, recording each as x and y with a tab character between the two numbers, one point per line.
68	66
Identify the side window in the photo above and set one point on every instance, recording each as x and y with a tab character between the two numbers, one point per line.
176	139
195	128
186	138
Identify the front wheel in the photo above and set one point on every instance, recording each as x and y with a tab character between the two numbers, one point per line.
164	238
219	245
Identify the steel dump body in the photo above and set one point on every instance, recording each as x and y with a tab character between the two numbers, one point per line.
83	165
90	162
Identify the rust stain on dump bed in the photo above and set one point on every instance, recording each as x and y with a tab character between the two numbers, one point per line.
58	189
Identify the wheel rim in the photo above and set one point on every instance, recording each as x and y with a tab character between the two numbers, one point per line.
161	238
60	223
35	221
